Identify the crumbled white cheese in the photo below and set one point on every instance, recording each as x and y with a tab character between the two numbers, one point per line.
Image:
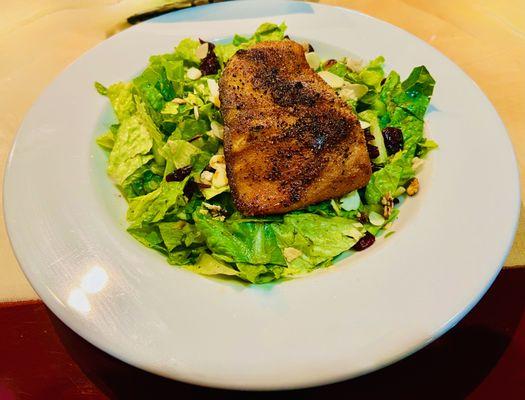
217	130
202	51
364	124
313	60
220	178
206	177
376	218
352	91
193	73
332	80
214	92
354	64
217	161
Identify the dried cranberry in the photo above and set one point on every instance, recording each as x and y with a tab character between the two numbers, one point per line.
363	218
201	185
365	242
210	64
329	64
393	139
368	135
179	174
373	151
190	188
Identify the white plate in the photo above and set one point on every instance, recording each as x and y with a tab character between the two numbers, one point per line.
66	224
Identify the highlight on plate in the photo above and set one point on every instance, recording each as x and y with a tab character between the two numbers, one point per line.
259	160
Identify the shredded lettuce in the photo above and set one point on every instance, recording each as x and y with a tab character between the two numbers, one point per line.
166	148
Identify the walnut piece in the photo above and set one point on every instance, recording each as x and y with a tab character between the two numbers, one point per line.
388	205
413	187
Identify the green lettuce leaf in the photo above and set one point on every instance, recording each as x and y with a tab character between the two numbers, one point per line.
156	135
121	97
259	273
171	233
269	32
106	140
189	128
101	89
208	265
144	180
425	147
175	72
153	206
240	242
225	51
185	51
415	92
318	238
179	152
266	32
373	73
406	105
149	236
179	233
130	151
389	178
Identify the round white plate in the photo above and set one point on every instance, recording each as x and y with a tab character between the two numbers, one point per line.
66	223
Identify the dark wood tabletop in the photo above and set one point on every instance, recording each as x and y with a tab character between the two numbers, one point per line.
483	357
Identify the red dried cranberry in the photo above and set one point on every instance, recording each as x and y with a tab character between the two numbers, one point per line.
210	64
190	188
328	64
363	218
368	135
393	139
373	151
365	242
179	174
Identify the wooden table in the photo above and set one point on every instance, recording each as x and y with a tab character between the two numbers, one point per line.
38	38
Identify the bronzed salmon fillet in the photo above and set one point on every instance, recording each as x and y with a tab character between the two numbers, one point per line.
289	140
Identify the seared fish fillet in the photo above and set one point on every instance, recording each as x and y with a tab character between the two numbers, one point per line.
289	141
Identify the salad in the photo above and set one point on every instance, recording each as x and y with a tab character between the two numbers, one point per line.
165	155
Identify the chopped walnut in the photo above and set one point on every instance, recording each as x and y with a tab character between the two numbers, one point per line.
413	187
217	212
388	205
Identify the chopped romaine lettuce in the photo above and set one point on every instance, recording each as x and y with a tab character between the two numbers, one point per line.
170	126
130	150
